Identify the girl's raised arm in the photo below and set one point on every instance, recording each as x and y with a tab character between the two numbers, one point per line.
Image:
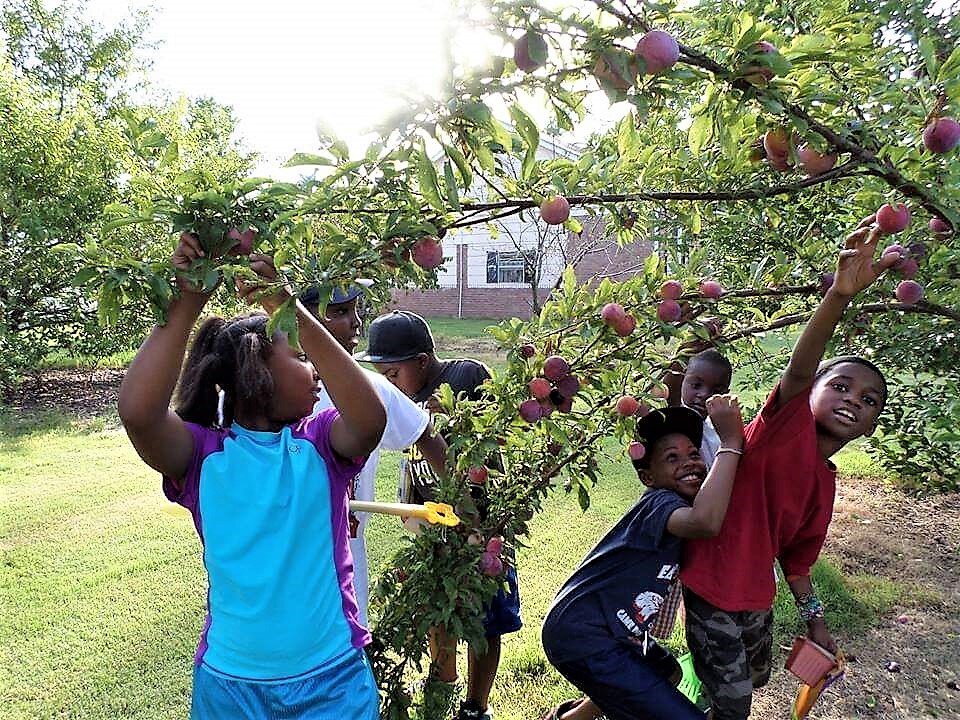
159	435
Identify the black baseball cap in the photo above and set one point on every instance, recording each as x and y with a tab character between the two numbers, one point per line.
667	421
397	336
311	296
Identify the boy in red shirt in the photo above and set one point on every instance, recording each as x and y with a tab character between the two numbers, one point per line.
782	499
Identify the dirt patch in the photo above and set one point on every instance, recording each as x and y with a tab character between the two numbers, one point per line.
82	393
908	666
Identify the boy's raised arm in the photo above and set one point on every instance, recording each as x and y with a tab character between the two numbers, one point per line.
705	517
856	270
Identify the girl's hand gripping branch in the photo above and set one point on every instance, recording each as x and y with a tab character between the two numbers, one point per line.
158	434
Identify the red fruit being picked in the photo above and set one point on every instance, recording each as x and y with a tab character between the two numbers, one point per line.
530	51
671	290
908	268
826	282
555	211
612	314
530	410
244	240
495	545
658	50
942	135
539	388
636	451
711	289
555	368
477	474
892	219
669	311
490	564
909	292
428	253
627	406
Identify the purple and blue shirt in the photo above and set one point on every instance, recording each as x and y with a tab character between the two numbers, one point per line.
271	510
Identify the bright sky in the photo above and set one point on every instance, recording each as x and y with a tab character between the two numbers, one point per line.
287	65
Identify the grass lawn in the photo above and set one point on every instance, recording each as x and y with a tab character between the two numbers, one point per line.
102	587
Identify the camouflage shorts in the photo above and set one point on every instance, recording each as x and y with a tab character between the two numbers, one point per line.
731	654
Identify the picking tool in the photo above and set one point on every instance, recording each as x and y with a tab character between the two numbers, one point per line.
433	513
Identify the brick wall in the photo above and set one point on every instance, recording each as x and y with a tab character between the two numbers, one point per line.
604	259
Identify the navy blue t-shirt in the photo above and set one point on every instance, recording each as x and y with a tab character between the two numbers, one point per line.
616	592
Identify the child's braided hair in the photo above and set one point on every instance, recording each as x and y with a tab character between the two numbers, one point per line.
228	355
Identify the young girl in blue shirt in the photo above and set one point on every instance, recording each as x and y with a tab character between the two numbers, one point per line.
268	494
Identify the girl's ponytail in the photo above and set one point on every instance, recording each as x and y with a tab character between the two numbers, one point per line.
197	398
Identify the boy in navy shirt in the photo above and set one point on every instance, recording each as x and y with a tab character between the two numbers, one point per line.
597	631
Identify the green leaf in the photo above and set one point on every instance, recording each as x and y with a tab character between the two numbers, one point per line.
929	52
428	181
463	167
573	225
301	158
451	185
950	67
700	132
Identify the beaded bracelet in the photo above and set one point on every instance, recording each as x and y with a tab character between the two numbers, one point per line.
809	607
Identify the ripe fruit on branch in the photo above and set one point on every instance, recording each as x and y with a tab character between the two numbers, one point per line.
626	326
627	406
909	292
392	255
428	253
776	142
490	564
669	311
555	368
477	474
711	289
942	135
918	250
568	386
527	351
658	50
814	163
826	282
620	76
908	268
539	388
671	290
636	451
760	75
612	314
892	219
939	226
530	410
244	240
495	545
530	51
555	211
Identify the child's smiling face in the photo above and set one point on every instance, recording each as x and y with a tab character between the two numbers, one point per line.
675	464
846	401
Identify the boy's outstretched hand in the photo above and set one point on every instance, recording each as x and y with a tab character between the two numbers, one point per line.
248	289
856	268
724	413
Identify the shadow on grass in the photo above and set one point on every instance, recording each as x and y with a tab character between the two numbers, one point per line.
17	426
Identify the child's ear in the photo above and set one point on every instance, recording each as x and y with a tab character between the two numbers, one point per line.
645	477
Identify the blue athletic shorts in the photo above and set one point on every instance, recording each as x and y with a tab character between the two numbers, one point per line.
628	685
503	611
345	690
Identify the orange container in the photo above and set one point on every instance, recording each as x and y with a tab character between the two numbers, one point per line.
810	662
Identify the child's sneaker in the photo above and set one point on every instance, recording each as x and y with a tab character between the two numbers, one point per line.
470	710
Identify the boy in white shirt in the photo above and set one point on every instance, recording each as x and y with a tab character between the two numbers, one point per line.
407	425
708	373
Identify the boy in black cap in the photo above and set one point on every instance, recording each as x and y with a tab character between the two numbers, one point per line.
596	633
401	348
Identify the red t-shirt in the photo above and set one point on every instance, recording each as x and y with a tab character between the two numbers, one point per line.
780	507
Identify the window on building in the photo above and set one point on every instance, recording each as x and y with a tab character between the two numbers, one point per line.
509	267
